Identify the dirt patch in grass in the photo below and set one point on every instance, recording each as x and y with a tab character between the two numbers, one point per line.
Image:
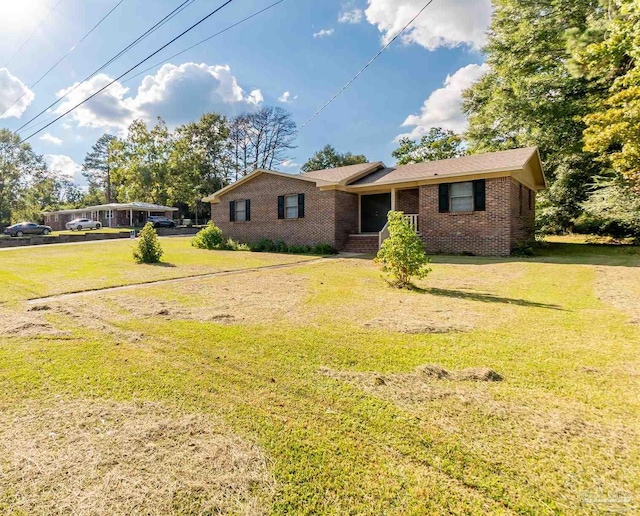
426	383
243	299
620	288
86	457
33	322
15	323
405	318
460	402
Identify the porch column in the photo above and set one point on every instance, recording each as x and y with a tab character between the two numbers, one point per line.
130	218
393	199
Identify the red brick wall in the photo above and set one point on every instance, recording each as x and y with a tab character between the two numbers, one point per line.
522	217
330	216
408	201
479	232
347	217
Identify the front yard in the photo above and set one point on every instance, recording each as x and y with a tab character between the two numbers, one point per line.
299	390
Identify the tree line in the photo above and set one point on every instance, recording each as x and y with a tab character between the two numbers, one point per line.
149	164
179	167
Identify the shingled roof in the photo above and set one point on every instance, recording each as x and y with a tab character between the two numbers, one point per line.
515	162
510	160
344	175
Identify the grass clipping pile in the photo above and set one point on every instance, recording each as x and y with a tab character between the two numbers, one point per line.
96	458
423	385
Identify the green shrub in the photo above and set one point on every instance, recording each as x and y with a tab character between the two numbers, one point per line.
299	249
402	254
148	249
231	245
323	249
208	238
280	247
265	245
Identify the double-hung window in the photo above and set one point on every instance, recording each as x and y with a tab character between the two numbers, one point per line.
461	197
291	206
240	211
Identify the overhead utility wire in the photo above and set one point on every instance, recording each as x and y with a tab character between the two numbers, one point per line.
202	20
33	33
187	49
205	40
63	57
155	27
367	65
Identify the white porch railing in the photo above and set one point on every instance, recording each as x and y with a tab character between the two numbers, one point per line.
412	219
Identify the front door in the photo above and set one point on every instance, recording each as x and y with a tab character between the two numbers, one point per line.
374	210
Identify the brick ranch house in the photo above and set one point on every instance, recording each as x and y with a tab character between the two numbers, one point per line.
482	204
113	215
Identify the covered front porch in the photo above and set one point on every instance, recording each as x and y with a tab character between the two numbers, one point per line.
372	216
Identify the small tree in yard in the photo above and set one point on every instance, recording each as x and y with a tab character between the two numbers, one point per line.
402	254
149	249
208	238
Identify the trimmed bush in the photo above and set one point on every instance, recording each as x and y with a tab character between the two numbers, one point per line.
148	249
265	245
208	238
402	254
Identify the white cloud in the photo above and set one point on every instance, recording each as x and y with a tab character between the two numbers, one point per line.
286	97
65	166
443	108
324	33
287	163
46	137
442	24
177	93
15	96
348	15
255	97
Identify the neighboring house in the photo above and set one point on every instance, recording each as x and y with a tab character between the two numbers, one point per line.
114	215
482	204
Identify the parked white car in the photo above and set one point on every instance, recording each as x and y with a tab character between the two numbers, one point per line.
80	224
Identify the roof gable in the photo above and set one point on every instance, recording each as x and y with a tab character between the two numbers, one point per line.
216	196
344	175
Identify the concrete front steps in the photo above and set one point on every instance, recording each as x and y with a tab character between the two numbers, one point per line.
362	243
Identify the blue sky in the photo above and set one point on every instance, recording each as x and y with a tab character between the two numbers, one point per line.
304	47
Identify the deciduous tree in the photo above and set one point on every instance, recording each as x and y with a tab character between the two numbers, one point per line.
329	157
438	144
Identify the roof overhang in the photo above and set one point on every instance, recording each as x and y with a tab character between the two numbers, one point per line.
215	198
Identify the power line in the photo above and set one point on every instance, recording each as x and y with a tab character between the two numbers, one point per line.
205	40
155	27
64	56
367	65
185	50
33	33
132	68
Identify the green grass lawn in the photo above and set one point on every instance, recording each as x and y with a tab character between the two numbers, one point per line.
309	374
44	270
